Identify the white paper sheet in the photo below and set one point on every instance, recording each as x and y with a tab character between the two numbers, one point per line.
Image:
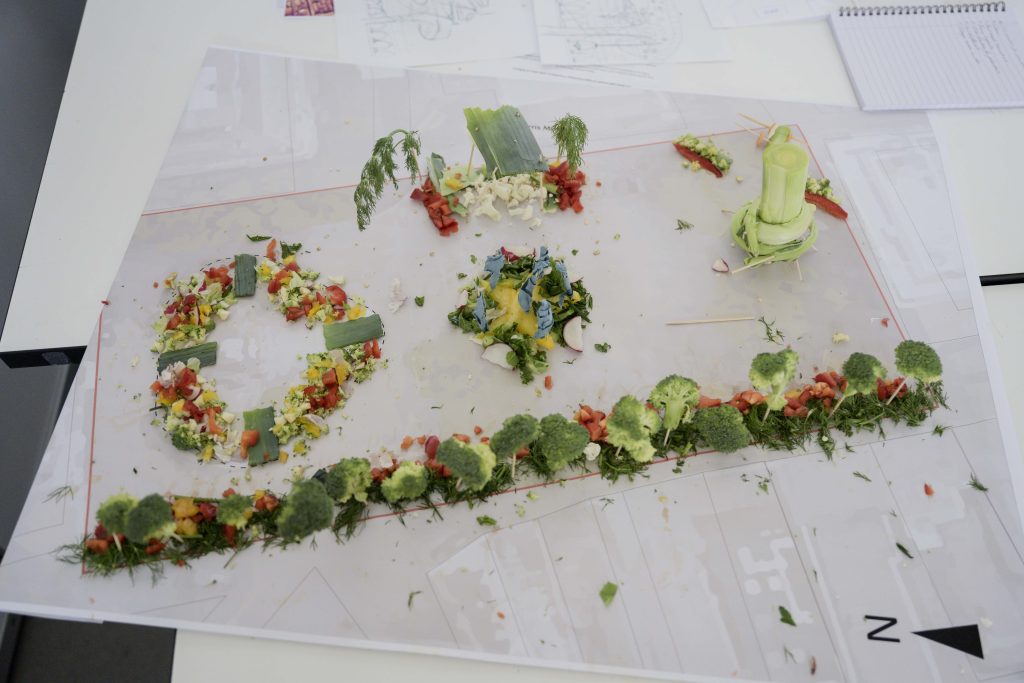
418	32
733	13
703	556
592	32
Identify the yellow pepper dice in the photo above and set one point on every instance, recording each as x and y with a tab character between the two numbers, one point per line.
355	312
184	508
546	342
186	527
178	406
208	454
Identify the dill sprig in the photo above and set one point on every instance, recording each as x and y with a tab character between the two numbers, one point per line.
381	167
975	484
570	134
772	333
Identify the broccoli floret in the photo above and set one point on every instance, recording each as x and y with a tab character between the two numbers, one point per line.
862	372
722	428
678	396
306	509
771	373
235	511
516	432
151	518
113	512
561	441
408	482
470	463
349	479
185	439
918	360
631	426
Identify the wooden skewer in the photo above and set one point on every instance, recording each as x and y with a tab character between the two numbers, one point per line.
710	320
760	123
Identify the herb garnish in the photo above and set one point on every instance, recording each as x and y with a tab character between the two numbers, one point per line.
289	249
977	485
486	520
903	549
608	592
603	347
683	225
771	333
570	134
60	493
381	168
412	595
862	476
419	300
258	238
785	617
939	430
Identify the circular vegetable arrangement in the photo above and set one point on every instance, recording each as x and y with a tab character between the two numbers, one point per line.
195	417
521	306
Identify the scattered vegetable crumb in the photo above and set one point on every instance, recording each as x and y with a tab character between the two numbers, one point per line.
928	490
412	595
603	347
840	337
903	549
785	617
608	592
486	520
419	300
720	266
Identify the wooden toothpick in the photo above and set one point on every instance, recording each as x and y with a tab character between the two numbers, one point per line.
710	320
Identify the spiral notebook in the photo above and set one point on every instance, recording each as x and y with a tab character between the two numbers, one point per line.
932	56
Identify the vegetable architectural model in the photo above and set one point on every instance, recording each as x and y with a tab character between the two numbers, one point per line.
674	418
779	224
514	171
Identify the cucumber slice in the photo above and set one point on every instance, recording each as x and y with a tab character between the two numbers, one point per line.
267	448
348	332
245	275
206	353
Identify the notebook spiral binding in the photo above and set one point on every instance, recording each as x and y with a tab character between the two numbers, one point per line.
898	10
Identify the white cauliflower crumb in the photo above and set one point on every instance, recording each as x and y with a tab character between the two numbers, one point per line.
396	299
840	337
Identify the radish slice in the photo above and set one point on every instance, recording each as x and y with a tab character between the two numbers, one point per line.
520	251
572	333
194	394
463	298
319	422
498	354
720	266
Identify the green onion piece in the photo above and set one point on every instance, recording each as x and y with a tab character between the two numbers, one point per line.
783	184
245	275
505	141
348	332
267	448
205	353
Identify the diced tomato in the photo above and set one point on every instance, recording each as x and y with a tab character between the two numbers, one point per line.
329	377
231	492
208	511
336	295
331	400
375	349
100	531
431	446
194	411
548	382
704	162
156	387
211	422
229	534
97	545
826	205
186	379
154	547
214	274
274	286
173	322
928	490
272	250
708	402
250	437
294	313
292	266
320	299
407	442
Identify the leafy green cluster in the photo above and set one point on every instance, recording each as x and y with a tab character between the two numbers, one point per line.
350	479
380	168
408	482
307	509
470	463
678	397
771	373
631	426
722	428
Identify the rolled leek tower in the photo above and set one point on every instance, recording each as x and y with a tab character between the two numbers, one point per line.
779	224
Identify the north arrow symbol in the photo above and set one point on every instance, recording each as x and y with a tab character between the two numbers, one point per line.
966	639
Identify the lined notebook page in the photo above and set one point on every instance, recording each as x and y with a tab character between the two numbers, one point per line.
932	57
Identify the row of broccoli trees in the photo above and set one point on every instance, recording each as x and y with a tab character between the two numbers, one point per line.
674	417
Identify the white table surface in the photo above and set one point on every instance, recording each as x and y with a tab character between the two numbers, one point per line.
132	72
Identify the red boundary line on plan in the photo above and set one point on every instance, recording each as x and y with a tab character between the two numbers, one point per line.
92	435
514	489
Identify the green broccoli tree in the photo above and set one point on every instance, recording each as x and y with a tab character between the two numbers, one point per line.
470	463
771	373
561	441
113	514
678	396
306	509
349	479
918	360
722	428
151	518
515	433
235	511
862	372
631	426
408	482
